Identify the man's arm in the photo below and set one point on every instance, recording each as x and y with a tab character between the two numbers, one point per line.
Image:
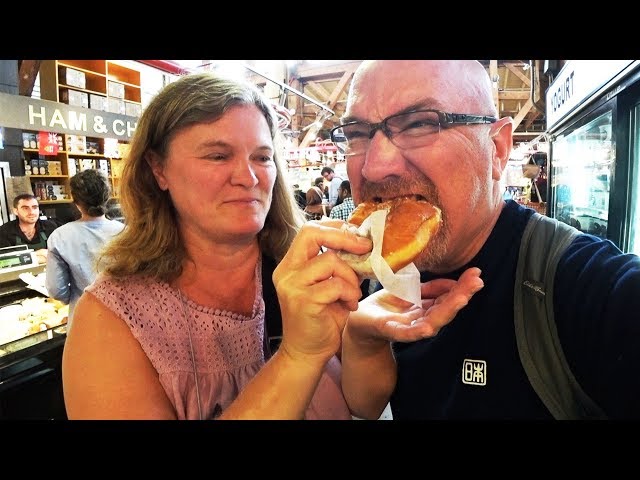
369	370
368	375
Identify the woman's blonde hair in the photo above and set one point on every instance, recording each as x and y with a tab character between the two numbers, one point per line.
150	243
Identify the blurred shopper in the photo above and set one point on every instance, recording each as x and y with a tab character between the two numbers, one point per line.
316	206
27	228
73	247
177	325
334	183
300	196
342	210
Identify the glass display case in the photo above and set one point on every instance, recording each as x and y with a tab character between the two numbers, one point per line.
582	169
32	337
634	197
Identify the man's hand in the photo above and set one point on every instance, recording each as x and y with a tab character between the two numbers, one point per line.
41	255
382	316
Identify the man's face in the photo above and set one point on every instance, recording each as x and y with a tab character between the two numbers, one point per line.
27	211
456	170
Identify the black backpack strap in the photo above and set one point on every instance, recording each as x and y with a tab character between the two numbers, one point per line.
272	315
536	334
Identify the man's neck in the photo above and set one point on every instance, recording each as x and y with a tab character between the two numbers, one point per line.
25	226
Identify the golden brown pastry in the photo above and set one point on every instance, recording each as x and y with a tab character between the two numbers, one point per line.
411	223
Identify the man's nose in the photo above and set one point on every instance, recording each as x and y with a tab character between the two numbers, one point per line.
382	158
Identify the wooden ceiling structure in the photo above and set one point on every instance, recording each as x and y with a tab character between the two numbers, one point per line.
519	93
317	94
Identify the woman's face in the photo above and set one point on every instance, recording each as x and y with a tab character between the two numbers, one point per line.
220	175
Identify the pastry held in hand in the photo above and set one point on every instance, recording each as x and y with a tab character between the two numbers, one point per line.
400	229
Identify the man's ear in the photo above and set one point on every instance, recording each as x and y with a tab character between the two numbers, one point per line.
157	168
502	136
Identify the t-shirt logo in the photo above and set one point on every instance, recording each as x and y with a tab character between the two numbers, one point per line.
474	372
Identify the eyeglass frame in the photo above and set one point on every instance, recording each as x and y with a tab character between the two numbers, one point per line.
445	120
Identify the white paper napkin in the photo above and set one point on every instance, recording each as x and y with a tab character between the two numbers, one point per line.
405	283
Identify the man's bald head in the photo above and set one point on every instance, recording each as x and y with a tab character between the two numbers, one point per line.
453	85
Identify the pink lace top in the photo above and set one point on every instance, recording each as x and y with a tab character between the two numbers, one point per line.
227	346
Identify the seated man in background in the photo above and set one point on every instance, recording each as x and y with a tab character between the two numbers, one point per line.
345	206
27	228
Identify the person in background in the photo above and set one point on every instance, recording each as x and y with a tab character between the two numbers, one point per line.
74	246
430	128
27	228
342	210
334	183
316	207
177	325
300	196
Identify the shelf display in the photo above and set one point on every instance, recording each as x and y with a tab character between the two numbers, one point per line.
97	84
49	174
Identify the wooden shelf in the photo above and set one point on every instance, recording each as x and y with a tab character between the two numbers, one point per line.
48	176
54	84
64	157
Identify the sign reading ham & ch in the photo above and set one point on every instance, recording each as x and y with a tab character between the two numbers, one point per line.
28	113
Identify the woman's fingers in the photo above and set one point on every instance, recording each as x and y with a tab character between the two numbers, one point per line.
315	235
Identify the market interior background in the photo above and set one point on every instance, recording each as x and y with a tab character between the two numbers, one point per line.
315	91
581	118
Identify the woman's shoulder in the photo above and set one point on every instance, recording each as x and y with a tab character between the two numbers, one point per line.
107	286
131	293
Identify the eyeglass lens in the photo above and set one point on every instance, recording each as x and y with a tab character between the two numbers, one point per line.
405	130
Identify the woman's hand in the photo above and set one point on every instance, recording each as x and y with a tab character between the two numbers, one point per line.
382	316
317	290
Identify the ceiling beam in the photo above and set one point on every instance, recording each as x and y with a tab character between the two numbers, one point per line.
27	71
318	90
493	75
518	73
522	113
514	94
328	71
342	85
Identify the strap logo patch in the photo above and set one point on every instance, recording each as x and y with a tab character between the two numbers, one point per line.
535	287
474	372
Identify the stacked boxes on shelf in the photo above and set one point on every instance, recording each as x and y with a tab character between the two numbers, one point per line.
72	77
116	101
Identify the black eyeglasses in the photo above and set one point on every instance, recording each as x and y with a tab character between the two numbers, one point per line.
405	130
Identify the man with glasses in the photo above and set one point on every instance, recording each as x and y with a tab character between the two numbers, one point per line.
430	128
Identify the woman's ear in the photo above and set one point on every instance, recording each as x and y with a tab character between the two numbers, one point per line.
157	168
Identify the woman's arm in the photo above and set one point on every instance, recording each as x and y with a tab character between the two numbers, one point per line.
57	275
316	293
105	372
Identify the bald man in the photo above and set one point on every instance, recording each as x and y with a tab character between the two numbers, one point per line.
430	128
